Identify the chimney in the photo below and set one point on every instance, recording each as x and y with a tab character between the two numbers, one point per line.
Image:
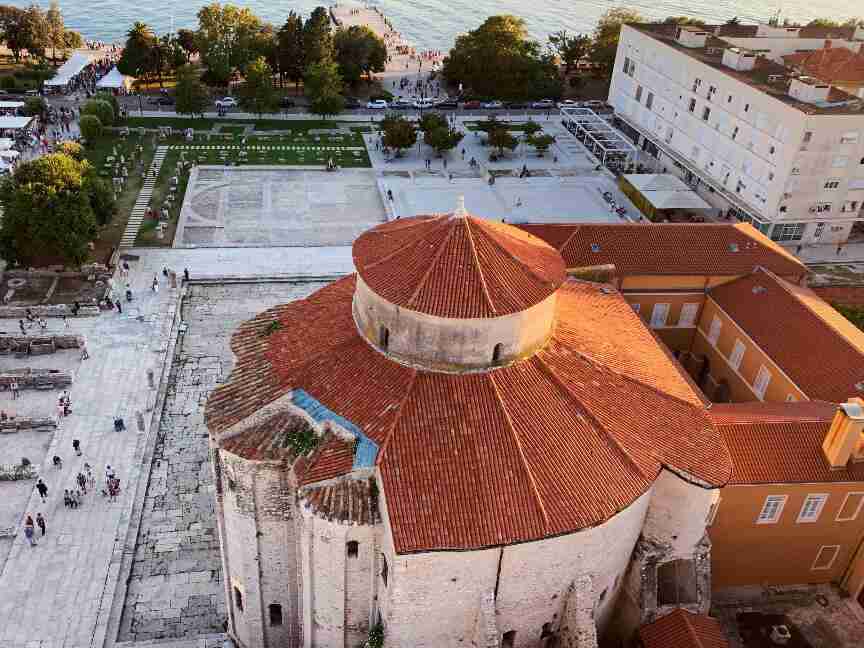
844	438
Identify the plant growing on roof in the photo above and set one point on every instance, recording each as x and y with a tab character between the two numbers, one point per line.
376	637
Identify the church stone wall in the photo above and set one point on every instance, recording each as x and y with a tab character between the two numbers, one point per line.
434	598
447	343
678	514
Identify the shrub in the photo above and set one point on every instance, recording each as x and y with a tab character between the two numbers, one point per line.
101	198
72	149
8	83
91	127
101	109
35	106
104	95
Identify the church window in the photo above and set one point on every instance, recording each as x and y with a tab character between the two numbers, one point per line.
496	353
509	639
546	631
238	598
275	611
385	337
352	547
384	570
676	583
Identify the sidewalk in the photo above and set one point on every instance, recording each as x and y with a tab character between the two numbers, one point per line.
849	253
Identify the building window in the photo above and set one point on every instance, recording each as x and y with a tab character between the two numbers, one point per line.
706	113
812	508
384	336
384	569
808	136
692	107
649	100
546	631
851	507
832	183
849	138
737	355
825	557
688	314
638	93
822	208
508	639
714	332
238	599
275	612
659	315
761	382
788	232
746	108
676	583
496	353
790	398
771	509
352	548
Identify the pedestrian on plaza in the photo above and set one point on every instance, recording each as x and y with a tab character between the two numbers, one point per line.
29	531
82	482
119	307
14	387
109	472
186	274
42	488
67	499
444	162
40	521
165	271
58	462
155	285
21	325
84	353
91	480
76	497
76	446
65	322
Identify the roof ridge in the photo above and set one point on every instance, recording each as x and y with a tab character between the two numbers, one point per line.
691	630
400	408
400	249
569	238
518	442
516	260
432	265
478	265
586	412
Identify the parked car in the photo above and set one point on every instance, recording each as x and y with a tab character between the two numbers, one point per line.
543	104
226	102
568	103
447	104
286	102
471	105
492	105
163	100
377	104
352	102
517	105
401	104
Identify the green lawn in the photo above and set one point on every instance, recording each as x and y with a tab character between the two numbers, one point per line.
147	233
511	126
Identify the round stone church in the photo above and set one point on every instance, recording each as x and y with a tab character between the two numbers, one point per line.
463	445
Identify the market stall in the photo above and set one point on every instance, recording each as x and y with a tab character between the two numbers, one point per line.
658	195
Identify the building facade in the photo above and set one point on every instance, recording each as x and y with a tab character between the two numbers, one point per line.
754	137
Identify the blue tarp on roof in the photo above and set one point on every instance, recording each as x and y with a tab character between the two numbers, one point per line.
367	449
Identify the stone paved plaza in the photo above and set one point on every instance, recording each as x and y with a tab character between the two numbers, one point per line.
175	590
270	206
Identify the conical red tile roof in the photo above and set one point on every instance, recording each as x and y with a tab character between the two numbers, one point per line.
457	266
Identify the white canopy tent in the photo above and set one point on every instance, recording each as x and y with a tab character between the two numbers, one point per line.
74	65
9	105
14	123
666	191
114	80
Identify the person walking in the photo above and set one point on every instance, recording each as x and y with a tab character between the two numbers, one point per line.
41	522
186	274
42	488
29	531
155	285
76	446
85	355
14	388
82	482
119	307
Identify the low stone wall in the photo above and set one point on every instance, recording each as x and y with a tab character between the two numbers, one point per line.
10	426
94	272
36	378
49	310
22	345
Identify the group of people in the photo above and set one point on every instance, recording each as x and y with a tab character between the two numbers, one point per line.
64	405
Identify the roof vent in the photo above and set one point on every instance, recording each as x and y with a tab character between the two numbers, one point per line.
759	290
460	212
733	247
595	247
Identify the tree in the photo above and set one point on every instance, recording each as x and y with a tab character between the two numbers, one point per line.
606	34
101	196
225	38
34	106
36	30
56	29
323	86
683	20
531	127
12	30
399	133
72	149
490	124
101	109
257	94
317	37
289	49
72	39
137	57
570	49
186	40
431	121
47	211
442	139
91	127
501	139
190	93
540	142
358	50
106	95
498	60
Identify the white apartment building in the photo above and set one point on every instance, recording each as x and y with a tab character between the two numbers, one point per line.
756	139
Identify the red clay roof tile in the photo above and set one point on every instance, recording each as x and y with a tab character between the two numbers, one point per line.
683	629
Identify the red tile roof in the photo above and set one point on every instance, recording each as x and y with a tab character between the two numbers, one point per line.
780	443
833	64
347	501
669	248
820	351
683	629
549	445
457	266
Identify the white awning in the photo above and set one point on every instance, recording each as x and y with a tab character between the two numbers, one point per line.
666	191
11	104
74	65
115	80
14	123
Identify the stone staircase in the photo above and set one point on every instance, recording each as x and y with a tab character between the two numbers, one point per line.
143	200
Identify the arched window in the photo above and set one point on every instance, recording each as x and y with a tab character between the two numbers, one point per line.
275	611
238	598
384	338
509	639
352	547
496	353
